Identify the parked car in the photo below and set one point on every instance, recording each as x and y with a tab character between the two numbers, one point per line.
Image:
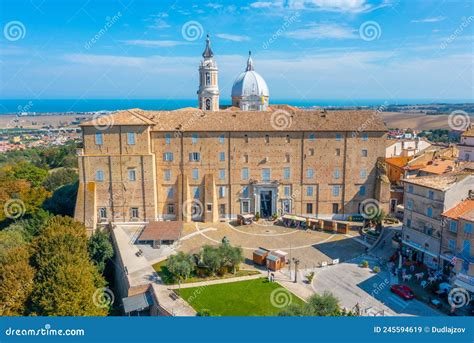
403	291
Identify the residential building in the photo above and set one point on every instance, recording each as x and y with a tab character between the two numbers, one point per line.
426	198
466	145
457	247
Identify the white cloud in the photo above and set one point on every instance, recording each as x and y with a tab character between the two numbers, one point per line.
153	43
429	20
348	6
262	4
233	38
159	24
323	31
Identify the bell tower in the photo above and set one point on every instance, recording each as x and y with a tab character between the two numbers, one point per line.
208	92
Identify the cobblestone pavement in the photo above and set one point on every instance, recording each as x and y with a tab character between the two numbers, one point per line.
310	247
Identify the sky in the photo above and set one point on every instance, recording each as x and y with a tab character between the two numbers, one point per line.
304	49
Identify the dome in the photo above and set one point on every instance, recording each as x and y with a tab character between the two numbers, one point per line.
249	83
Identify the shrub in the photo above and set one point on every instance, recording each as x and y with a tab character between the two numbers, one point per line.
364	264
376	269
204	313
310	277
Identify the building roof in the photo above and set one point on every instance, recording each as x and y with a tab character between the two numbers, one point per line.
469	132
439	182
162	230
137	302
132	117
439	167
400	161
463	210
193	119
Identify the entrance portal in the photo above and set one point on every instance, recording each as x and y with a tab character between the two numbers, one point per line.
266	204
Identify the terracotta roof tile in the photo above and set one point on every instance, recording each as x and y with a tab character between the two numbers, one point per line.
440	182
190	119
162	230
463	210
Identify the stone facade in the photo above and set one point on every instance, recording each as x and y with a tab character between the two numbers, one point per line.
145	172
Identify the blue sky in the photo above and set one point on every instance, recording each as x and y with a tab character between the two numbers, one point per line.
318	49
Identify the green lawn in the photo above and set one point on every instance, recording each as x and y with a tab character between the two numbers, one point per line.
243	298
169	279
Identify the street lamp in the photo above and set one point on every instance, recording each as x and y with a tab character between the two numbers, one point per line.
296	262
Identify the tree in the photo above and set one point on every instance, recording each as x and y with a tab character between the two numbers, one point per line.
10	239
211	258
230	256
181	265
27	171
59	178
317	305
322	305
16	281
100	249
63	200
66	282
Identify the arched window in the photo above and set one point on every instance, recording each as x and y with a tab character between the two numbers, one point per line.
208	79
208	104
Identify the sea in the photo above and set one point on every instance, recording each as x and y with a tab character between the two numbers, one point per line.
35	106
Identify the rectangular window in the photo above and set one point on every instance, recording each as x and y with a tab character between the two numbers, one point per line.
131	138
364	152
409	223
452	244
132	175
99	175
410	188
246	158
195	173
363	173
287	158
221	191
167	174
99	138
309	191
194	157
245	192
466	247
102	213
467	228
338	137
287	191
168	156
168	138
338	152
267	139
335	191
222	156
410	204
196	192
246	138
222	139
453	226
245	173
194	138
221	174
429	212
309	173
266	174
311	152
335	208
170	208
245	206
134	212
336	174
170	192
286	173
362	190
365	137
288	138
312	137
309	208
430	195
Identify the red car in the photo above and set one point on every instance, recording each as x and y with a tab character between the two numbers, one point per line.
403	291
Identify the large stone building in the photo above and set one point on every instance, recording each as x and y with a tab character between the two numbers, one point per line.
210	164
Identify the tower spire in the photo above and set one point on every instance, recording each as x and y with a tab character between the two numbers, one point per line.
250	62
207	51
